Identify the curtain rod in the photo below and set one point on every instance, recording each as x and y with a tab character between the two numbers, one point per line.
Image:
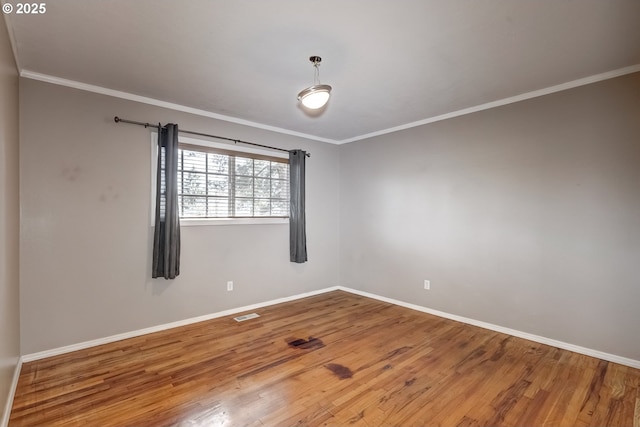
236	141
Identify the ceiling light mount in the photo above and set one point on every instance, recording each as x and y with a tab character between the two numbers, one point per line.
315	96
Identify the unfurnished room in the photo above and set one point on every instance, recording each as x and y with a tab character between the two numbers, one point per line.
320	213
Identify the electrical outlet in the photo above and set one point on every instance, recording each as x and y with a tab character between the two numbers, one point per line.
427	284
229	285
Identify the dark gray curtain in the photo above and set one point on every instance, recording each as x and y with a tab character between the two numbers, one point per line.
166	237
297	218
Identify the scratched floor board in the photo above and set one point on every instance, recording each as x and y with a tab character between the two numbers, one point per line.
330	360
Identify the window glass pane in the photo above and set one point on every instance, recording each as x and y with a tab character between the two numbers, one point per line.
279	208
163	185
194	207
194	161
162	151
244	207
279	170
244	187
218	207
262	188
262	207
280	189
194	183
163	207
218	185
218	163
262	168
244	166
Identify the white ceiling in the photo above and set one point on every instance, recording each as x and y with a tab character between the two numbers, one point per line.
391	63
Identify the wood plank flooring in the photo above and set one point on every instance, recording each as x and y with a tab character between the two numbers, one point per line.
334	359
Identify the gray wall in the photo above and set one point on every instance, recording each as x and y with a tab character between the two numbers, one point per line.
525	216
9	218
86	235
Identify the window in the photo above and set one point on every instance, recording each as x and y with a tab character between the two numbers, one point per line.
220	183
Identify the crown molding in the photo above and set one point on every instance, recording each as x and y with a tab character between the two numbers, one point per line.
505	101
177	107
164	104
12	40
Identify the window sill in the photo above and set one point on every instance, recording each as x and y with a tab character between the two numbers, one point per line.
188	222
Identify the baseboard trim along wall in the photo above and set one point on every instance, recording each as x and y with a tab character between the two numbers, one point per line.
535	338
106	340
4	422
527	336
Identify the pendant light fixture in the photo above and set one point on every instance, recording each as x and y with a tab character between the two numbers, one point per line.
315	96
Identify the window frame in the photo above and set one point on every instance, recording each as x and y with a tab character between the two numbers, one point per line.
230	149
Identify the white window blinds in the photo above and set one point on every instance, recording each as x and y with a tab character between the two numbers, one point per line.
217	183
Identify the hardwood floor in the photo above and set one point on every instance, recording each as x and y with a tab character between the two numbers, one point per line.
333	359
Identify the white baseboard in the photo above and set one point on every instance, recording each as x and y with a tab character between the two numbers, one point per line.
536	338
4	422
106	340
